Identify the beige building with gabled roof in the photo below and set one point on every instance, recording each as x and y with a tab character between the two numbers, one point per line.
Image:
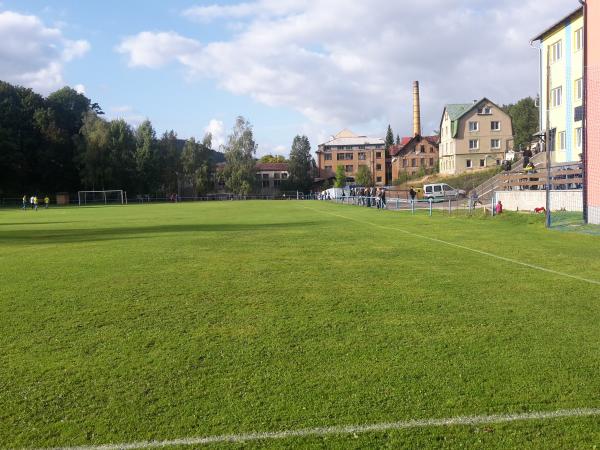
473	136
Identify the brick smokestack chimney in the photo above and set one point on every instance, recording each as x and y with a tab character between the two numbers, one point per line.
416	109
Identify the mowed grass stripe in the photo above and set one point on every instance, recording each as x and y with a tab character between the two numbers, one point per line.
345	430
211	319
469	249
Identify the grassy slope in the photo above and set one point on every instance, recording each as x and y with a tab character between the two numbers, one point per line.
157	322
466	181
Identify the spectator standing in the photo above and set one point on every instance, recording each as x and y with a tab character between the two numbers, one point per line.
413	194
499	208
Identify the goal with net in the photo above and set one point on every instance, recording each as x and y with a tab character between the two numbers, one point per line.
110	197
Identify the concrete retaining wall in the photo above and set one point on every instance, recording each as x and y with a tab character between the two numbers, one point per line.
530	200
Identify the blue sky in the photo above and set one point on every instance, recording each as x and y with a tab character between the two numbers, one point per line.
289	66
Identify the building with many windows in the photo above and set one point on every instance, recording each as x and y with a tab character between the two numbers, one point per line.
270	176
414	155
352	151
561	86
473	136
592	112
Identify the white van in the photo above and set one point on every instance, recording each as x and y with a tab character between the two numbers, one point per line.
442	190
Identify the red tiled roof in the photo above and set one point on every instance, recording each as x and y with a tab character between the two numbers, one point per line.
272	167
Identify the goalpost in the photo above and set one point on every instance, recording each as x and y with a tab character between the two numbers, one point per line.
108	197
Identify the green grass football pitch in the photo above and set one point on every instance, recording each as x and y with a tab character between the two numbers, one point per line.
128	324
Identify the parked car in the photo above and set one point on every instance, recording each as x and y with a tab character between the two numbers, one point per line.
442	190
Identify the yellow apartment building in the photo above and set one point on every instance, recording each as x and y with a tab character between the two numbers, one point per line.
561	49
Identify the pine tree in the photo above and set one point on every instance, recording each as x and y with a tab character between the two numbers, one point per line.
389	138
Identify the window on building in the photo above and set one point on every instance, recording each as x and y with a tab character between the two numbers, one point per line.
284	175
362	156
379	179
328	168
473	126
469	164
482	163
579	137
556	96
404	163
328	156
431	162
276	175
484	111
473	144
578	39
349	169
265	184
579	89
498	162
495	144
413	162
276	183
562	140
422	149
431	150
349	156
556	51
265	176
495	125
378	167
422	162
378	155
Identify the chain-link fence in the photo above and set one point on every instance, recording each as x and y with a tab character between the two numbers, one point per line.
452	205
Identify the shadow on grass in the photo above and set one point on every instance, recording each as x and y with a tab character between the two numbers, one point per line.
8	224
77	235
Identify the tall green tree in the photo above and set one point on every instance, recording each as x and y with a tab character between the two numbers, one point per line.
389	138
525	120
146	157
272	159
239	154
169	163
300	165
196	166
121	146
364	177
340	177
94	156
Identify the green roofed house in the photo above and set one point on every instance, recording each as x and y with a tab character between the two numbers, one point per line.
473	136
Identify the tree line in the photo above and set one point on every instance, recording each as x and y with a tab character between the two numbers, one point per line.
63	143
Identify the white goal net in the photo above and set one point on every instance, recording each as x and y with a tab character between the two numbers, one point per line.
111	197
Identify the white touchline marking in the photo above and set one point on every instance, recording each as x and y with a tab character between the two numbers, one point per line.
463	247
352	429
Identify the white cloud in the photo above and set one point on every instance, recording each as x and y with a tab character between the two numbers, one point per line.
127	113
351	62
217	129
155	50
265	8
79	88
121	109
34	55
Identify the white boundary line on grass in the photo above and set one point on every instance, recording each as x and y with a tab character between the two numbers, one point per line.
344	430
463	247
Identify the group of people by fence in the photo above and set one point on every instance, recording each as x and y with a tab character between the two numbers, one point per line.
369	197
34	202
